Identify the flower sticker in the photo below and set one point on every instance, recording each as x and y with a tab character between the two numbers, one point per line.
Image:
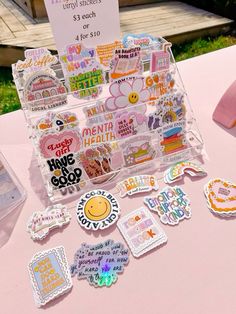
128	93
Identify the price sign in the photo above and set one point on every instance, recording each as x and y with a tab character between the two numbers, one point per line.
91	22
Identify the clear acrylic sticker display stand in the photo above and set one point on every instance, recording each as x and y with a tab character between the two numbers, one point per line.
157	161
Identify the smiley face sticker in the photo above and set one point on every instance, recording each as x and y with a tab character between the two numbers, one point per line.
97	209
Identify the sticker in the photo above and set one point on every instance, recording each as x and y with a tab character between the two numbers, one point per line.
106	52
42	222
138	150
172	138
36	60
160	60
137	184
59	144
177	171
221	197
130	123
145	41
159	84
126	62
84	75
98	163
96	134
171	204
64	171
44	91
57	121
97	113
170	108
97	209
130	93
141	231
101	263
50	275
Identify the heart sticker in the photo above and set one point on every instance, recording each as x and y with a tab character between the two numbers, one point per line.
57	145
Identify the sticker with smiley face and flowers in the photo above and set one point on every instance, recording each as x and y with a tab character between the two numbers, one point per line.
97	209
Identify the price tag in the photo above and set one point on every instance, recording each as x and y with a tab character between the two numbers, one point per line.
86	21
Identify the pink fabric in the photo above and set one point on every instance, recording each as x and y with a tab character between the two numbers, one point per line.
225	112
194	273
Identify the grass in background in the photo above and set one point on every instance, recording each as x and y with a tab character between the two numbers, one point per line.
200	46
9	100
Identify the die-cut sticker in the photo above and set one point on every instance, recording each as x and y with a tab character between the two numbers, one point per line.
105	52
141	231
160	60
171	204
128	94
59	144
84	75
97	113
137	184
97	209
130	123
172	138
177	171
126	62
36	60
64	171
57	121
159	84
97	134
221	197
44	91
50	275
41	222
101	263
98	163
137	150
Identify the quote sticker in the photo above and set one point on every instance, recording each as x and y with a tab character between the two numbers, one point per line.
97	209
101	263
50	275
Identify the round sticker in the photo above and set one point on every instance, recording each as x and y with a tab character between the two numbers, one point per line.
97	209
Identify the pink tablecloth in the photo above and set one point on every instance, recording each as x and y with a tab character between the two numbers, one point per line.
194	273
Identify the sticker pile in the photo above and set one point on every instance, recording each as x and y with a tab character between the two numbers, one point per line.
100	264
221	197
141	231
50	275
171	204
41	222
177	171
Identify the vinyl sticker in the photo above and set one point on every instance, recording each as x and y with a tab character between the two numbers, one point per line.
101	263
59	144
105	52
141	231
137	184
50	275
171	204
97	209
126	62
130	123
44	91
97	134
221	197
129	93
41	222
97	113
137	150
160	60
57	121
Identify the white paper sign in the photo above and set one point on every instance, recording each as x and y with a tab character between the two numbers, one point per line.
90	22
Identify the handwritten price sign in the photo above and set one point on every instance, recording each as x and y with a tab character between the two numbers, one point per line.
83	21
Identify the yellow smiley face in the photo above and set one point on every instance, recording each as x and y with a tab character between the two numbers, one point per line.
133	97
97	208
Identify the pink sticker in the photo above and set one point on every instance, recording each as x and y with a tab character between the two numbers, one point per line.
57	145
160	60
130	123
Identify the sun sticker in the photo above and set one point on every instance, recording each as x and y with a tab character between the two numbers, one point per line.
97	209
